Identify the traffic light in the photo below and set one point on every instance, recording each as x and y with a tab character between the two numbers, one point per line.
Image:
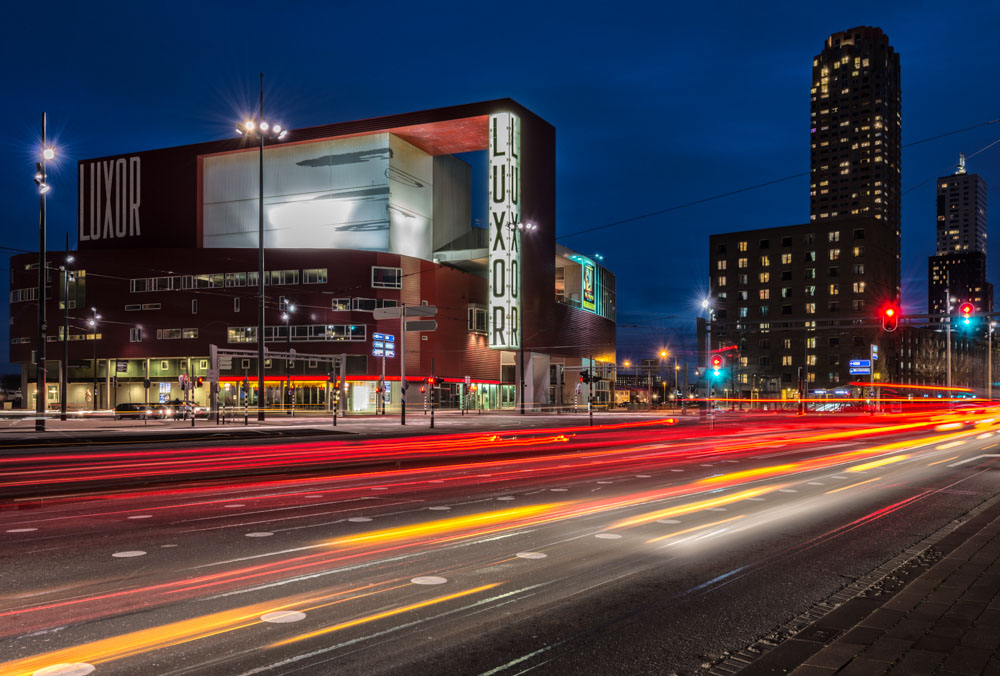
199	382
431	381
422	389
584	376
890	318
717	363
965	311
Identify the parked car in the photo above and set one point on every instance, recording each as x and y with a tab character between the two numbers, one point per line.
139	410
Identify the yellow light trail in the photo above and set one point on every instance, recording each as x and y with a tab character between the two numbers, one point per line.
695	506
749	474
945	447
384	614
877	463
693	529
844	488
940	461
508	517
168	635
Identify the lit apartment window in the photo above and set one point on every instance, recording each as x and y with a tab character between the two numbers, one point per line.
720	265
765	294
786	343
742	246
721	280
134	335
811	343
811	360
743	312
786	258
810	308
834	236
834	289
859	251
765	261
765	277
859	287
741	263
834	254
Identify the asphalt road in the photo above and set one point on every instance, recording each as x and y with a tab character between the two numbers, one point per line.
642	549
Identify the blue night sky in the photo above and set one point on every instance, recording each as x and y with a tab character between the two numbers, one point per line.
654	106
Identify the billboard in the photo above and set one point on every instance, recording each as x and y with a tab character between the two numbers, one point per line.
588	291
504	237
371	192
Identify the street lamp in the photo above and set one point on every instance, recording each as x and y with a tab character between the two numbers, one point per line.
261	129
288	348
521	226
65	337
41	180
93	336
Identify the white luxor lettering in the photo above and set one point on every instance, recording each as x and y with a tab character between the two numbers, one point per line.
109	204
504	207
81	232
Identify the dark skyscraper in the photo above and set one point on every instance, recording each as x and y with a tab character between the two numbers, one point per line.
960	263
855	130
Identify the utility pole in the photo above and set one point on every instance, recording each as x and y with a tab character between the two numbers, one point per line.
402	364
65	359
41	393
947	309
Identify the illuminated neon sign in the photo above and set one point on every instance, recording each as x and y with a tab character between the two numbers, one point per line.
504	236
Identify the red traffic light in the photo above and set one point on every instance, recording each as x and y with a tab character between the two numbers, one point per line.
200	381
966	310
890	318
422	389
716	361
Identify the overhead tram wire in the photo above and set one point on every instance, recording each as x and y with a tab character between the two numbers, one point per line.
757	186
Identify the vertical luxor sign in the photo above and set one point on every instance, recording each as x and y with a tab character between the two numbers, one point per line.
504	237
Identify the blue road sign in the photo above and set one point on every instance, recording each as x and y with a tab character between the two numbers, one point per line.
860	363
860	371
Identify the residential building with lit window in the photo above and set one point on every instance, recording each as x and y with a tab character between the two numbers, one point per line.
855	130
358	216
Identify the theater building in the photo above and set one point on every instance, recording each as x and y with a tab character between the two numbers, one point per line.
357	216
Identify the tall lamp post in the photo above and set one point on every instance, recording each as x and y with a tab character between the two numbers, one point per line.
65	337
522	227
262	130
41	180
93	336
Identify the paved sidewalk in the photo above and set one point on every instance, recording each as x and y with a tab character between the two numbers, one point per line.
943	620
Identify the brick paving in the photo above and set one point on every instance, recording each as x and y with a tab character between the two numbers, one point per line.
945	621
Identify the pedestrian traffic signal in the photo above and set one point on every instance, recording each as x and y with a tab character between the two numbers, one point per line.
422	389
890	318
584	376
965	311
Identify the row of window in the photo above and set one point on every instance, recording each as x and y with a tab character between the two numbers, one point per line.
382	278
22	295
786	258
788	292
808	239
810	309
300	333
786	275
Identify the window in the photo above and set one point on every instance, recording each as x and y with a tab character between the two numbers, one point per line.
811	360
721	281
811	343
764	244
859	233
137	285
168	334
150	306
834	289
477	319
194	306
859	251
786	258
786	275
858	287
743	312
387	278
786	241
190	333
764	343
742	279
857	305
809	273
786	309
765	294
786	360
164	365
246	364
340	304
203	364
236	304
809	257
132	308
267	363
763	310
242	335
314	276
742	246
236	279
834	254
786	343
720	248
765	277
833	306
858	268
741	263
285	277
810	308
135	335
809	239
765	261
834	235
742	295
786	292
720	264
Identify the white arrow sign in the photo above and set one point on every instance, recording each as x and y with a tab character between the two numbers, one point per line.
962	462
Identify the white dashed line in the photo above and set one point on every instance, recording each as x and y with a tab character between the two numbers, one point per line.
676	470
605	482
234	505
380	488
439	508
558	490
142	516
505	498
531	555
260	534
283	616
128	554
815	483
359	519
429	579
667	521
66	669
756	499
642	476
787	490
608	536
21	530
716	509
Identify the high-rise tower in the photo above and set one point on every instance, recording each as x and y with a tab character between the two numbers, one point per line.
855	130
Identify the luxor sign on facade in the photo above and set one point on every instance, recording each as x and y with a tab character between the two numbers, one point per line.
504	236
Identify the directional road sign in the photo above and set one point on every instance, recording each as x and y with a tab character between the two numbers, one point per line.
411	311
861	363
422	325
860	371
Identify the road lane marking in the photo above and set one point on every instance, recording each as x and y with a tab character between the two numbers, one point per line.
940	461
693	529
844	488
260	534
283	616
129	554
608	536
531	555
945	447
429	579
985	455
